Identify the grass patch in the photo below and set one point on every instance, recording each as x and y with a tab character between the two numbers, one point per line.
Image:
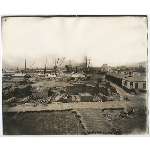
42	123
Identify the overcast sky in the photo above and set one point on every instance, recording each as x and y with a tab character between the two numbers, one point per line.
111	40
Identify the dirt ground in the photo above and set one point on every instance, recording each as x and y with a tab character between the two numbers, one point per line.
42	123
127	121
50	83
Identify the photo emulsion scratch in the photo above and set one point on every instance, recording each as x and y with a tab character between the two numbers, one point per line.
74	75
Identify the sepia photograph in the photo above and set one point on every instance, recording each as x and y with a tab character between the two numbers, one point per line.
75	75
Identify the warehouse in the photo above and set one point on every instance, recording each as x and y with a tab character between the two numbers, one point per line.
115	78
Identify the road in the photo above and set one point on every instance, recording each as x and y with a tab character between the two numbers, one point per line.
79	105
94	121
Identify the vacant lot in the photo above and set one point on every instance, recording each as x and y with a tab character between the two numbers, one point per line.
122	121
128	122
42	123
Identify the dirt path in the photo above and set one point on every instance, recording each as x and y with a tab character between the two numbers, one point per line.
79	105
122	92
94	121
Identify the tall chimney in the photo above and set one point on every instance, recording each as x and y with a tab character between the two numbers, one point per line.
45	69
25	65
69	62
76	69
86	64
45	66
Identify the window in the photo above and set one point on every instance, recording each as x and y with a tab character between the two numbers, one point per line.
136	85
131	83
144	85
125	84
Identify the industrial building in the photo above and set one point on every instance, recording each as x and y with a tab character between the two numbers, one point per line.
115	78
127	82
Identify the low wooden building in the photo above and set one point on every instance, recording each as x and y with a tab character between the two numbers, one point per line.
135	82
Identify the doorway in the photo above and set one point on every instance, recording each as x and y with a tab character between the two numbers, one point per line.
136	85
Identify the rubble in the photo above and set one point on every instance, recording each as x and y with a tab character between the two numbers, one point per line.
86	97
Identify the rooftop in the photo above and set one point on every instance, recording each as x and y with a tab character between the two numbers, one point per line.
136	78
126	77
117	75
18	75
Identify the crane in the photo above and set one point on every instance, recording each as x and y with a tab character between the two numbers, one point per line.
31	65
57	60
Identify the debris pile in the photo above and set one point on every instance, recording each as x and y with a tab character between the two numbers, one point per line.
39	89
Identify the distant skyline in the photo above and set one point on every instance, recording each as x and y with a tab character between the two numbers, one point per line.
144	64
112	40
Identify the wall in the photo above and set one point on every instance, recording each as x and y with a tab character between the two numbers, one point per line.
136	74
81	88
128	85
140	85
115	80
86	97
123	82
43	94
89	89
70	90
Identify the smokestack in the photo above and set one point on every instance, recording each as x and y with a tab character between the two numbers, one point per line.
86	64
45	69
45	66
55	66
25	65
76	69
69	62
